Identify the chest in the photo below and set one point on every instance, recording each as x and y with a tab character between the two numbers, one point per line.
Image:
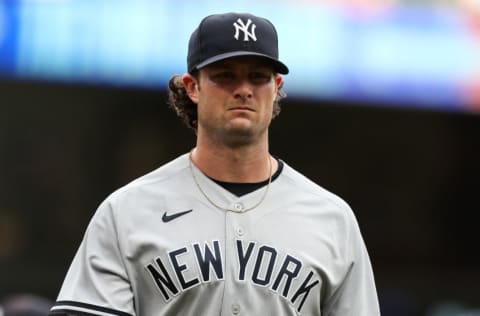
283	254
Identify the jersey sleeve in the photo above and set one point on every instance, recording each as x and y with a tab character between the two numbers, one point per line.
97	282
356	295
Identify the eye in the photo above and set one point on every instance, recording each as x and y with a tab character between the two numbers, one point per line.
223	77
260	77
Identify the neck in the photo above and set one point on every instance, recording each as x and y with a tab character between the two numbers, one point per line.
240	164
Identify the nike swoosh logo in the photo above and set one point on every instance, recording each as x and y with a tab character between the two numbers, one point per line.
167	218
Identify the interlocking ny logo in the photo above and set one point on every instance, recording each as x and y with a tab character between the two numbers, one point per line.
240	26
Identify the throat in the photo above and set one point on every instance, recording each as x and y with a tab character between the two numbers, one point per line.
240	189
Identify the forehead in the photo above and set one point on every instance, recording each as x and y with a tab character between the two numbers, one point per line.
250	62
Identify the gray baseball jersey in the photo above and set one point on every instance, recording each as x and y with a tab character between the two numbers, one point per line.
158	247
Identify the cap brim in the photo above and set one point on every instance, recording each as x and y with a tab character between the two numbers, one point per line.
278	65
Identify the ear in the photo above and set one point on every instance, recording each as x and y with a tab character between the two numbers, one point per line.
191	86
278	82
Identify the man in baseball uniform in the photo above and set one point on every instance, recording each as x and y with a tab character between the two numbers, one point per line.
226	229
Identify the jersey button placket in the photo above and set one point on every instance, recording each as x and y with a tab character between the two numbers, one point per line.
230	297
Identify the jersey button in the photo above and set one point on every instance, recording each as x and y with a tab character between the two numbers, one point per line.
240	232
238	207
235	309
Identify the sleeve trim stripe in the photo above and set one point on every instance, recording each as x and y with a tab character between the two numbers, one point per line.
72	306
69	312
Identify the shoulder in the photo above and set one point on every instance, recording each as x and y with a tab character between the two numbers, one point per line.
309	188
172	170
317	203
318	211
167	179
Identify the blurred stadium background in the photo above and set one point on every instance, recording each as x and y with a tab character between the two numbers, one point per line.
383	109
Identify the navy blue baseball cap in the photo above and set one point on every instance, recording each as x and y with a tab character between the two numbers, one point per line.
221	36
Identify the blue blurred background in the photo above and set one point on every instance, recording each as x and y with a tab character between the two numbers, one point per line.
383	109
427	53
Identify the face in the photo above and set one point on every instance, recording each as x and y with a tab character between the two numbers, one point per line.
235	99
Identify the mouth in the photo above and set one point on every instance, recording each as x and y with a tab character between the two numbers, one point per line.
241	108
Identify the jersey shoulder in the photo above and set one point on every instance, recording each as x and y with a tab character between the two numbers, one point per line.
309	187
165	178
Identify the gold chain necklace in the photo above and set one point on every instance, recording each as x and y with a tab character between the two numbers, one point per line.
262	198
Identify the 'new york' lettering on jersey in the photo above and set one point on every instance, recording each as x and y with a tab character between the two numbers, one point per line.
265	259
209	261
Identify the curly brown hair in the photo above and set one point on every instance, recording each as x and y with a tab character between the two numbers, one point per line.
181	103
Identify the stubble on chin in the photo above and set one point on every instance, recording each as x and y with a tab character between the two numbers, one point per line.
234	137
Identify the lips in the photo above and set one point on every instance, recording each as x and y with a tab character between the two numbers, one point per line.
242	108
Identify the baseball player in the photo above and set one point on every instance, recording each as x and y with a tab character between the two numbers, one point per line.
226	229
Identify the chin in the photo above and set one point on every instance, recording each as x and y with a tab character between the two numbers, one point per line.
240	126
238	140
243	136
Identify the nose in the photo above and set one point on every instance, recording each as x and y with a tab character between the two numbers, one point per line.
243	89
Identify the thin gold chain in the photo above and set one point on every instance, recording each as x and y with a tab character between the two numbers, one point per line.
262	198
